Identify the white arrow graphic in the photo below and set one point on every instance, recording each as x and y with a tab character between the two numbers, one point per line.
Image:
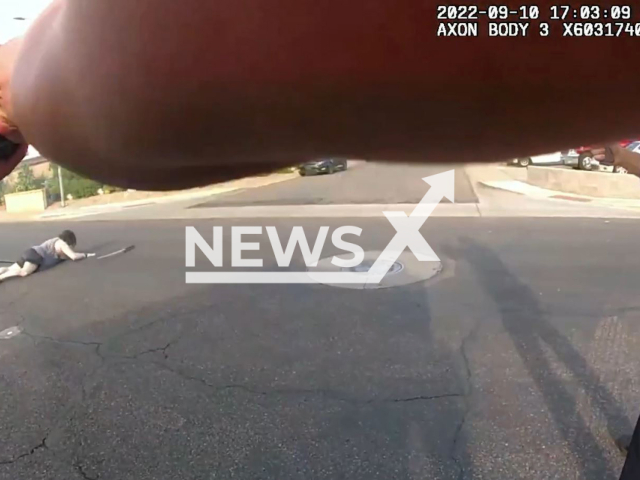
442	185
408	227
407	235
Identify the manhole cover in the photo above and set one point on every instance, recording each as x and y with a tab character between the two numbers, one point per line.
405	270
10	332
366	265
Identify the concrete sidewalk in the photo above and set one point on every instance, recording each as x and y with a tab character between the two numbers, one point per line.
585	184
102	203
500	178
532	191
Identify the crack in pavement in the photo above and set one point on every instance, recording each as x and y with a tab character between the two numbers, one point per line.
157	349
42	444
99	345
57	340
421	397
85	475
70	411
96	345
334	395
295	391
18	297
153	350
183	314
22	319
468	387
98	352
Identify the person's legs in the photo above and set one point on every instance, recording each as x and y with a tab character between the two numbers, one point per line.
29	262
28	268
631	469
9	272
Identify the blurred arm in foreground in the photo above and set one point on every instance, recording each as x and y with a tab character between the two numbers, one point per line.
161	94
626	159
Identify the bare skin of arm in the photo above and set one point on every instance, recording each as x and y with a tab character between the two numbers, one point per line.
160	94
630	161
63	248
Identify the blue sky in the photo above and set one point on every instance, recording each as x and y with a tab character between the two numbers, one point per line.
10	9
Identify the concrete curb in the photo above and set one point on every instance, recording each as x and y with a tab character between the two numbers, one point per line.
372	211
532	191
236	185
585	184
322	211
95	209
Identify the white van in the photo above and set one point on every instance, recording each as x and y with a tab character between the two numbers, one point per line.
547	159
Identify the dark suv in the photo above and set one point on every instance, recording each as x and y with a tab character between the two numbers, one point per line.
324	165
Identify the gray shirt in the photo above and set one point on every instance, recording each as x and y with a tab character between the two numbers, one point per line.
47	250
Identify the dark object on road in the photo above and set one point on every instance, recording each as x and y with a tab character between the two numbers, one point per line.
7	148
117	252
324	165
623	443
631	469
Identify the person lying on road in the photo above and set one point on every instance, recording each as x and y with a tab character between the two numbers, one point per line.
45	255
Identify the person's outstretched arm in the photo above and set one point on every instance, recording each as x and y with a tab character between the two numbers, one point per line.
70	253
166	94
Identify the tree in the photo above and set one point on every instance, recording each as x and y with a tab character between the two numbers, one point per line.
26	180
74	184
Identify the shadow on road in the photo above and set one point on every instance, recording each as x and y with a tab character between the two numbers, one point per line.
529	328
236	382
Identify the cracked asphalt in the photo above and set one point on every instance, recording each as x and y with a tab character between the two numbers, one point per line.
520	361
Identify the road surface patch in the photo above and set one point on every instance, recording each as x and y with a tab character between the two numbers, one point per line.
407	269
10	332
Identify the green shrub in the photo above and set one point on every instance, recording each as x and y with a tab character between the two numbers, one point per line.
75	185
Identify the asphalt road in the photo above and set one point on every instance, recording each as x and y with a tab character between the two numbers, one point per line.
520	361
362	183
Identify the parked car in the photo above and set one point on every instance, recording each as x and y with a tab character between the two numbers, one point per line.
324	165
570	157
548	159
590	157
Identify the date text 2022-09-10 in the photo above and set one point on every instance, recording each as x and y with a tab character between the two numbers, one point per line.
531	20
